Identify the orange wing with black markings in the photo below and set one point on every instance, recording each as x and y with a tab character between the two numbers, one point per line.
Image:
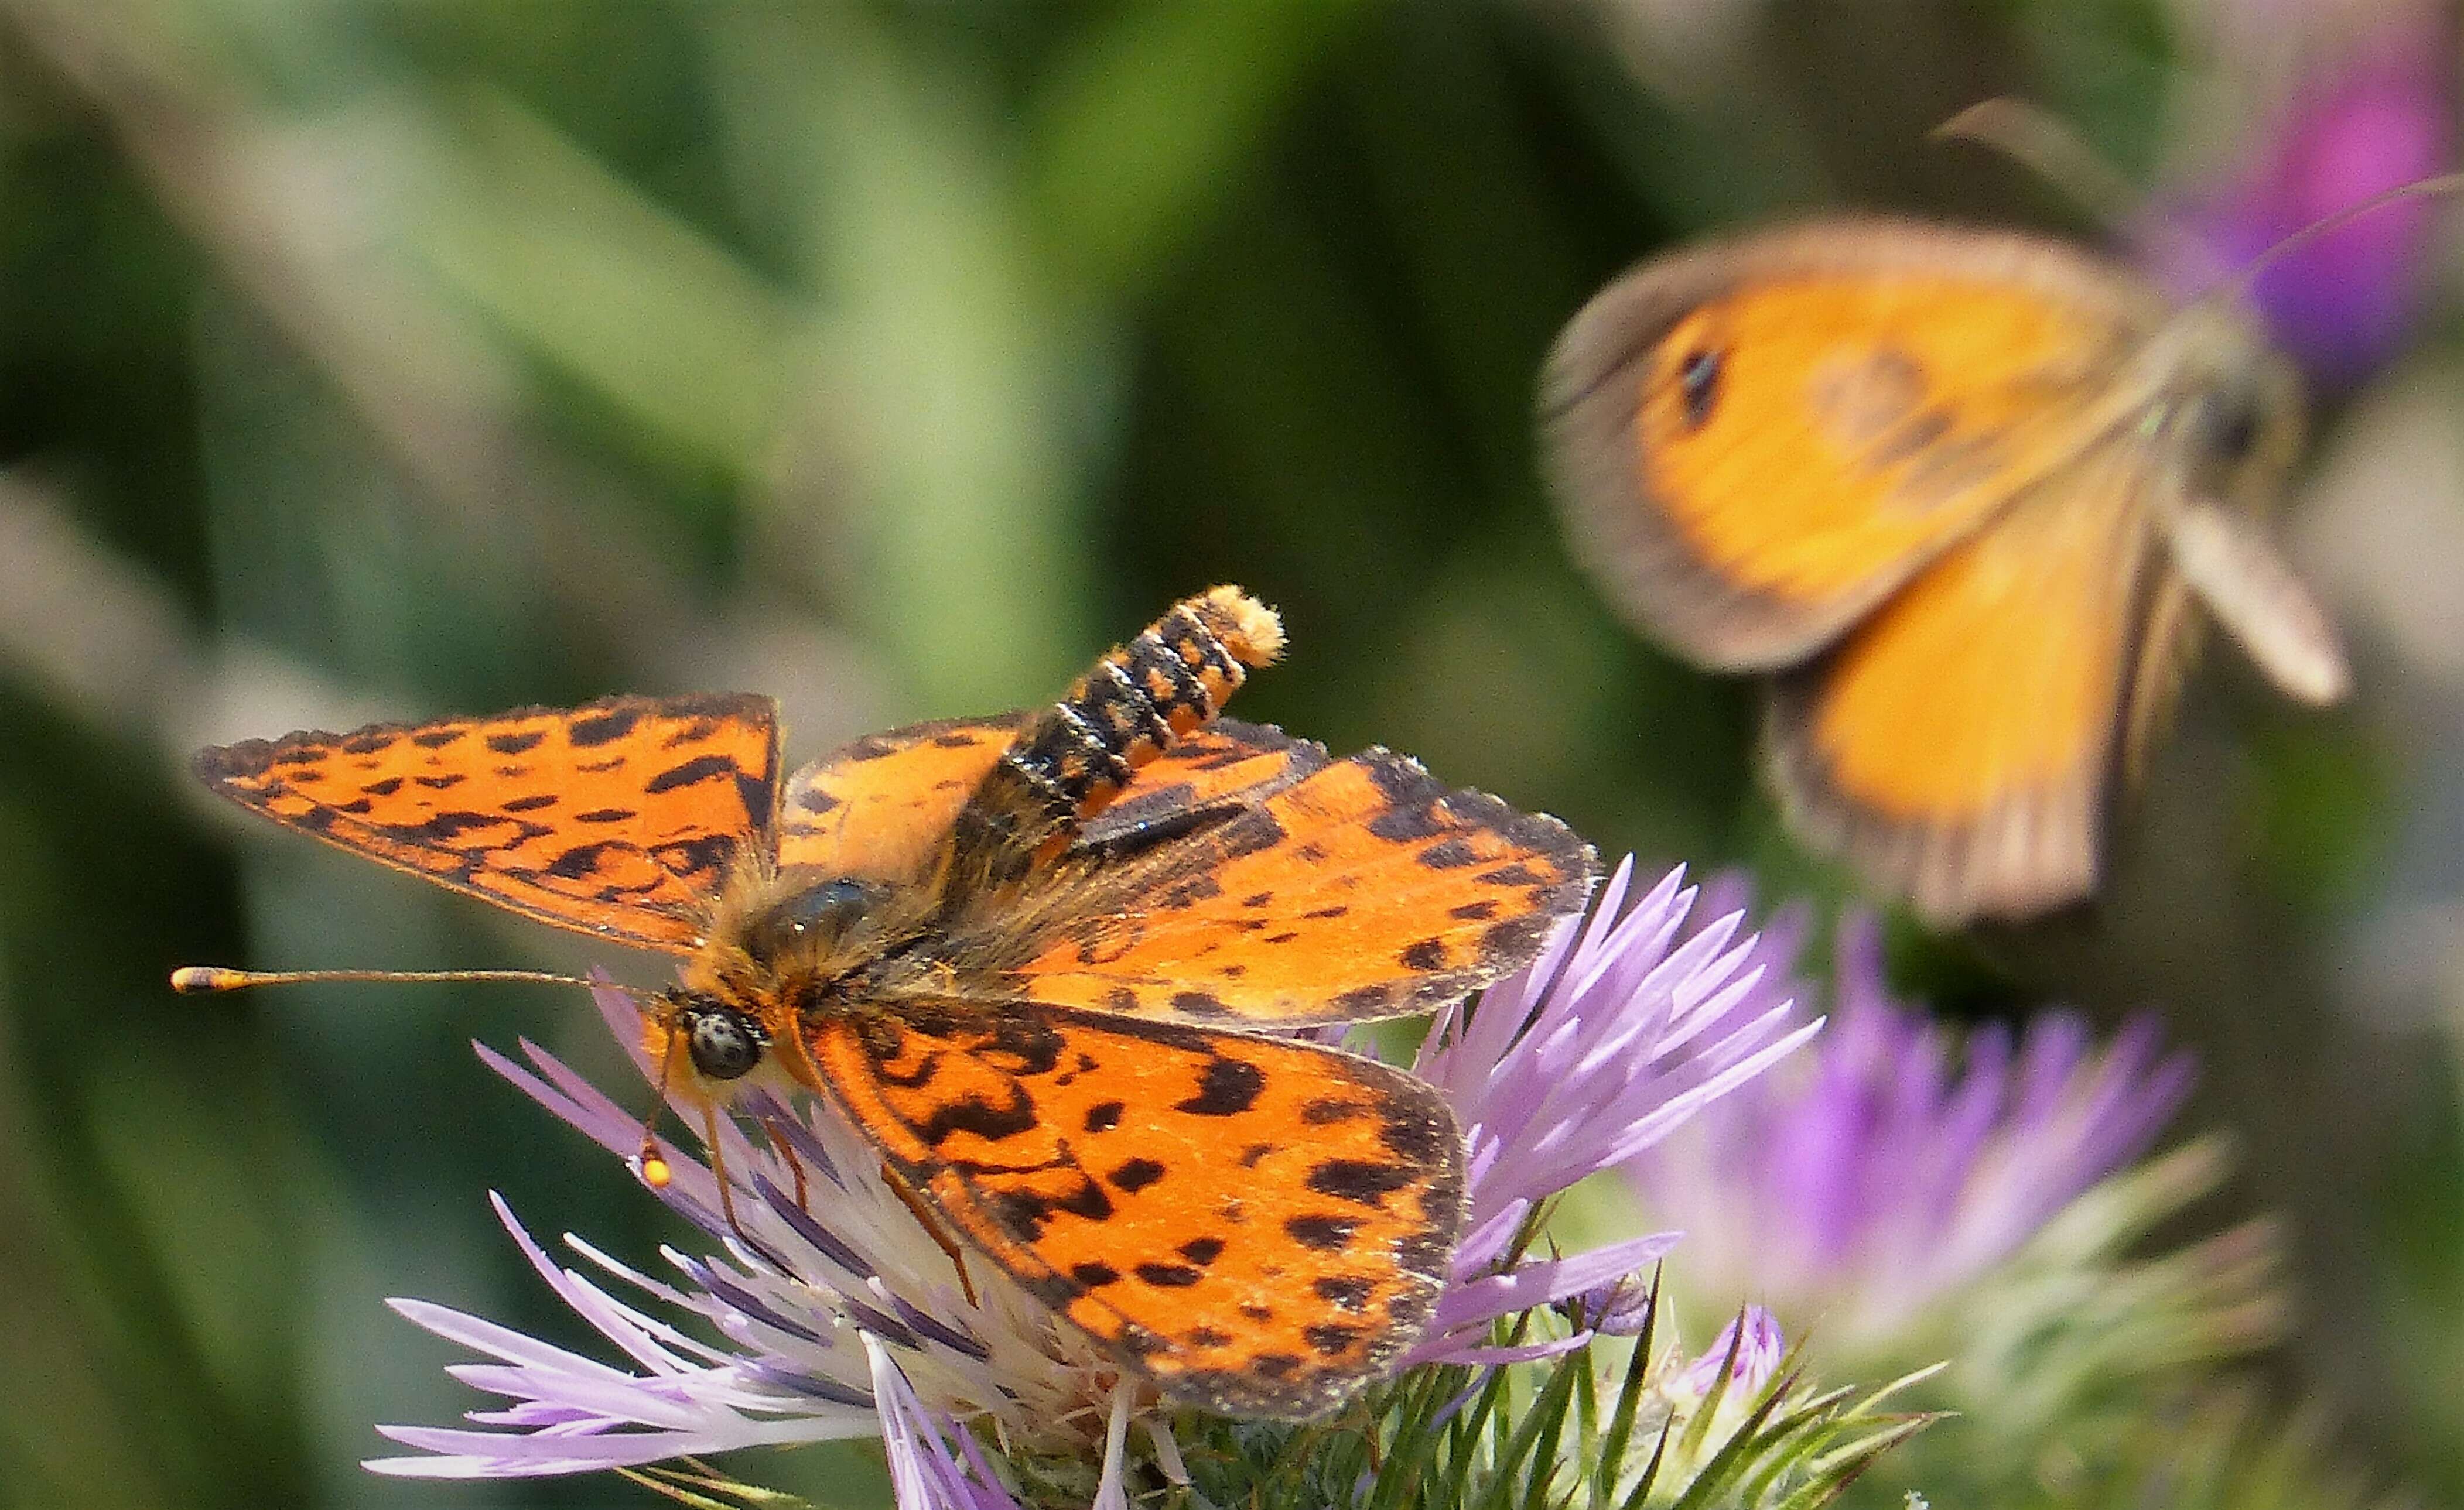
876	808
1364	889
1258	1225
618	819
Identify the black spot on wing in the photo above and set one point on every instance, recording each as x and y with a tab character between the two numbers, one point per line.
1331	1339
1322	1231
1359	1181
1135	1176
1227	1087
1200	1004
979	1117
603	728
1345	1292
698	768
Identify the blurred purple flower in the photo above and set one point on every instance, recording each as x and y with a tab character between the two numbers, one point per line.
2342	303
1875	1176
840	1316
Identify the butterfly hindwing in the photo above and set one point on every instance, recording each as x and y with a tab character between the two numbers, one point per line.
876	808
1367	888
1966	763
1756	442
618	819
1260	1225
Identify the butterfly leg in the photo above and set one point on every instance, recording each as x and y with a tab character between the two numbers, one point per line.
931	1224
795	1165
718	1168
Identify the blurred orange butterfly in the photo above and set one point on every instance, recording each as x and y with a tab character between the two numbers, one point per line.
1960	493
1029	956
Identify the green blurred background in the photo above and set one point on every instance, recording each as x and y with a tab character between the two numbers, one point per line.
384	357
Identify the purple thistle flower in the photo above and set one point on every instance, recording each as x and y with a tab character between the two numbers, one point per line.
1751	1359
1601	1047
840	1316
1878	1176
2344	302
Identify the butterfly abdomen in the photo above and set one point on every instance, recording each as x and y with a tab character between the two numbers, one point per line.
1076	756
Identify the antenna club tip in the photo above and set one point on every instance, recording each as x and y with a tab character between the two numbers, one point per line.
198	979
654	1170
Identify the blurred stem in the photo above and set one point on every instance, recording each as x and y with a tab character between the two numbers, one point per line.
292	212
668	325
937	429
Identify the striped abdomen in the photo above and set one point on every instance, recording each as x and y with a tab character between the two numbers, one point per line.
1076	756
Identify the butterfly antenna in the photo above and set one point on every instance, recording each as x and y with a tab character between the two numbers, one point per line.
199	980
2419	189
2034	138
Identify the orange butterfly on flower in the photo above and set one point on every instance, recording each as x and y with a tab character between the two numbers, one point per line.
1031	957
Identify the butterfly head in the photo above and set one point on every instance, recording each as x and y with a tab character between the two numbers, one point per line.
778	944
2229	402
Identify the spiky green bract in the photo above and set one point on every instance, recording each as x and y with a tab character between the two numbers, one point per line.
2222	1448
1610	1425
2062	1356
697	1486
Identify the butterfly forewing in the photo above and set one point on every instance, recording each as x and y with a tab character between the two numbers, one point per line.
1258	1225
618	819
1756	442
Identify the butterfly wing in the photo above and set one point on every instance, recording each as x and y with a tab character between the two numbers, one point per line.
1756	442
875	809
1366	888
1958	743
880	808
1258	1225
618	819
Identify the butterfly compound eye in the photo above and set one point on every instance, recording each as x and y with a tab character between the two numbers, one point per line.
724	1042
2228	423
